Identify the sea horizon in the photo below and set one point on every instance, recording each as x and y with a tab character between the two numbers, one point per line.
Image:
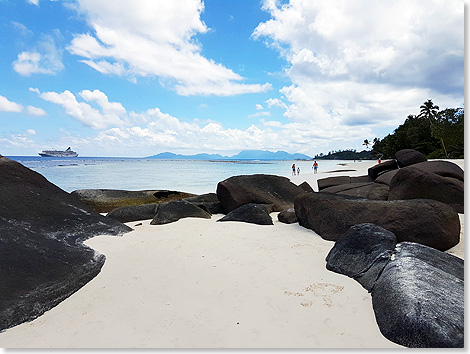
140	173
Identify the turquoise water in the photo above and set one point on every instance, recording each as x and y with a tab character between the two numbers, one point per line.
192	176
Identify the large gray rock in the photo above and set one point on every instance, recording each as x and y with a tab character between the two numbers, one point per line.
106	200
42	256
386	177
413	183
407	157
361	253
442	168
176	210
209	202
361	179
258	189
428	222
287	216
133	213
418	299
306	187
249	213
328	182
380	168
365	190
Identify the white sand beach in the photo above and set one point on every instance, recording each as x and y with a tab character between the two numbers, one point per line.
199	283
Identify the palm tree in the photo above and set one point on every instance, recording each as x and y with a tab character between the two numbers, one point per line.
430	111
366	143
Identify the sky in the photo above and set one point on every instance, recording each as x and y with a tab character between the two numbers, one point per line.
136	78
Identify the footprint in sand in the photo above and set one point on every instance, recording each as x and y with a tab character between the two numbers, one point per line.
320	291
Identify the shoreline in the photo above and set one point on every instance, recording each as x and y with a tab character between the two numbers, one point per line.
198	283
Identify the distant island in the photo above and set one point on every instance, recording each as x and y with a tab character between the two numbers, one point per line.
243	155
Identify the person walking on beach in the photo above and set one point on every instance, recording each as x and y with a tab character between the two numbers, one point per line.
298	171
293	170
315	167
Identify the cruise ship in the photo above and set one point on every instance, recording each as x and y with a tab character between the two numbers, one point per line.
58	153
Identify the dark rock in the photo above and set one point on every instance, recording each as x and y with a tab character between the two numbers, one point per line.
203	198
361	179
287	216
209	202
42	256
418	299
361	253
250	213
177	209
372	191
407	157
365	190
332	181
133	213
428	222
386	177
258	189
442	168
344	187
306	187
211	207
380	168
412	183
106	200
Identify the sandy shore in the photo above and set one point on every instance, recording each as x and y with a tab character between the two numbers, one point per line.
198	283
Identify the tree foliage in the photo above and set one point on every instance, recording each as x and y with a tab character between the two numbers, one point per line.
437	134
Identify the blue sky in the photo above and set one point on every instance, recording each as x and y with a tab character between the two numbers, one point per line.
136	78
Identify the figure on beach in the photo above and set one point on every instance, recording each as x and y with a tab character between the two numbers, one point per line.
298	171
293	170
315	167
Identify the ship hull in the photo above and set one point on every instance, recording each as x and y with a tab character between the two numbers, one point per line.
58	154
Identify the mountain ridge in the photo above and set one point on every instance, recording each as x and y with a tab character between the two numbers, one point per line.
242	155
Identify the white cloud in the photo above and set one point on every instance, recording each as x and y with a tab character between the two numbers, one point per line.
275	102
108	114
9	106
22	29
154	38
260	114
363	63
45	58
34	2
31	132
35	111
259	107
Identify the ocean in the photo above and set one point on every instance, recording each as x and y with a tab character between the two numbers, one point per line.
191	176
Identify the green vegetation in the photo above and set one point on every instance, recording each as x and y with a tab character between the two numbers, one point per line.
345	155
437	134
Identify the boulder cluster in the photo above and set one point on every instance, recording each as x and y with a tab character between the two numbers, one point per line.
390	229
417	291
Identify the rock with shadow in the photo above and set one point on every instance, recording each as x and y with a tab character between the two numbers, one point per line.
42	256
173	211
361	253
133	213
106	200
417	291
418	299
415	183
249	213
258	189
287	216
424	221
